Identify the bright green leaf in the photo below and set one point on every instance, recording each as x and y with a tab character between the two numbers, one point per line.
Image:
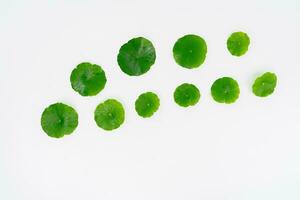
88	79
225	90
58	120
265	84
109	115
186	95
238	43
147	104
190	51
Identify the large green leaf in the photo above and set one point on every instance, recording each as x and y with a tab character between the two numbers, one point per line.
136	56
225	90
88	79
59	119
109	115
190	51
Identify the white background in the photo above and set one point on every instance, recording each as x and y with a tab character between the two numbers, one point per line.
249	150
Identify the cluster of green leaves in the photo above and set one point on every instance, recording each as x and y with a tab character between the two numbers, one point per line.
135	58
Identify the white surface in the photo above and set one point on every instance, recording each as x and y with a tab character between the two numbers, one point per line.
245	151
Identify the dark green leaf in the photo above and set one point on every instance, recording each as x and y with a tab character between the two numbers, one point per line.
88	79
190	51
136	56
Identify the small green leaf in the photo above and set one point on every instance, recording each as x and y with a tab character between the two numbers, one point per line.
88	79
136	56
58	120
190	51
109	115
186	95
147	104
225	90
238	43
265	84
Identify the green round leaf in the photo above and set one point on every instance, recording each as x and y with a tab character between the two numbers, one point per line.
58	120
190	51
136	56
186	95
88	79
265	84
225	90
110	114
147	104
238	43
